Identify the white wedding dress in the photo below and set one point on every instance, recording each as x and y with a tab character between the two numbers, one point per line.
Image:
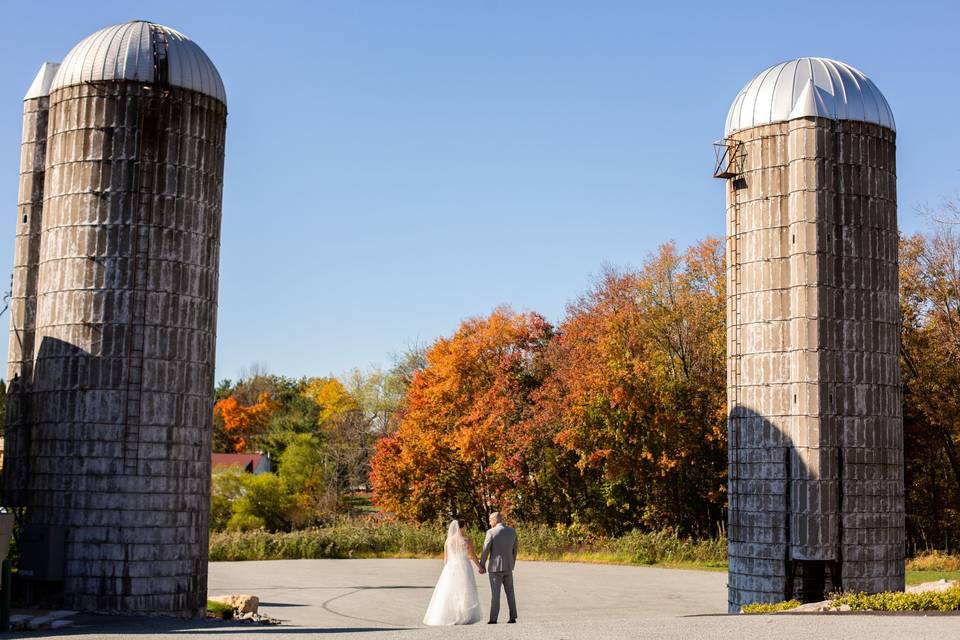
455	599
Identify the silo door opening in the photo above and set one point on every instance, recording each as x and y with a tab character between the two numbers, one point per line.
814	580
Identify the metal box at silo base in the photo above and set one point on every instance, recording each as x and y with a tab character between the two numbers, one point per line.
42	553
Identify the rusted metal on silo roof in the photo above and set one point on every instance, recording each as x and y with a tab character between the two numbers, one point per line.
118	288
128	52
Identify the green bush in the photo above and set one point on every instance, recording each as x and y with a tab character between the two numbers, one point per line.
264	497
770	607
948	600
245	522
226	487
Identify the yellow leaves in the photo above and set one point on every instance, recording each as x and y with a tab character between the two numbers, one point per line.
332	398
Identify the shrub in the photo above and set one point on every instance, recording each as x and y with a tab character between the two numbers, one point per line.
264	497
226	486
245	522
948	600
769	607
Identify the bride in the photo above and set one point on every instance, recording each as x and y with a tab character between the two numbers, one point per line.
455	598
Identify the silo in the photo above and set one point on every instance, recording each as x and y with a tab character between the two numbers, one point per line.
815	422
23	294
118	418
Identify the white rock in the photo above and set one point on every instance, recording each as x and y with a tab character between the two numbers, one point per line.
937	585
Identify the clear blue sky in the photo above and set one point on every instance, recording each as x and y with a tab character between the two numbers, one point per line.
394	167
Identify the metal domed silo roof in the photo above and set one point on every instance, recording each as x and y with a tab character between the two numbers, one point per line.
805	87
41	83
130	52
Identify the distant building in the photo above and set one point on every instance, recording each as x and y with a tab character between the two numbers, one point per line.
255	463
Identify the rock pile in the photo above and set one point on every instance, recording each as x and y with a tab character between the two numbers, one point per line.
245	607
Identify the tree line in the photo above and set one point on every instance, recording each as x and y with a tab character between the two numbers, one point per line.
611	420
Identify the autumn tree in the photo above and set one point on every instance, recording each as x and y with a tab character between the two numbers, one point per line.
345	429
305	470
243	423
637	395
456	449
930	355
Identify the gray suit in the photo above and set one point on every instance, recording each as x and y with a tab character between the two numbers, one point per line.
500	546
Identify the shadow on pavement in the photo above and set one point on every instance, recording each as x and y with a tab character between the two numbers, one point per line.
395	586
98	624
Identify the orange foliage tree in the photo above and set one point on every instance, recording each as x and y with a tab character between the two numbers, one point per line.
456	450
637	394
616	420
930	370
242	423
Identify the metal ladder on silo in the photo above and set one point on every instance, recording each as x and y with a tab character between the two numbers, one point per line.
729	155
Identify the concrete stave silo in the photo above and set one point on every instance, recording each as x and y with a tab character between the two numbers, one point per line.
26	255
115	410
815	424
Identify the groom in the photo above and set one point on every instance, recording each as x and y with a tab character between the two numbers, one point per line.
500	546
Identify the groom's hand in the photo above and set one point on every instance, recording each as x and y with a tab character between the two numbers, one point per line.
482	571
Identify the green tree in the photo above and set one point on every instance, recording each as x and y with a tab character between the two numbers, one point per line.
265	502
226	487
304	470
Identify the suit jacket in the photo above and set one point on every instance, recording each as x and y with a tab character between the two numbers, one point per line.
500	546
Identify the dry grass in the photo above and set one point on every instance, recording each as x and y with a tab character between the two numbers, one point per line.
374	538
934	561
368	537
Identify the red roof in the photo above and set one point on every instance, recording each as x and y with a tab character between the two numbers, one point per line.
248	461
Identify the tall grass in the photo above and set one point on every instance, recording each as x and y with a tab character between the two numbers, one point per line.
372	537
934	560
376	538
